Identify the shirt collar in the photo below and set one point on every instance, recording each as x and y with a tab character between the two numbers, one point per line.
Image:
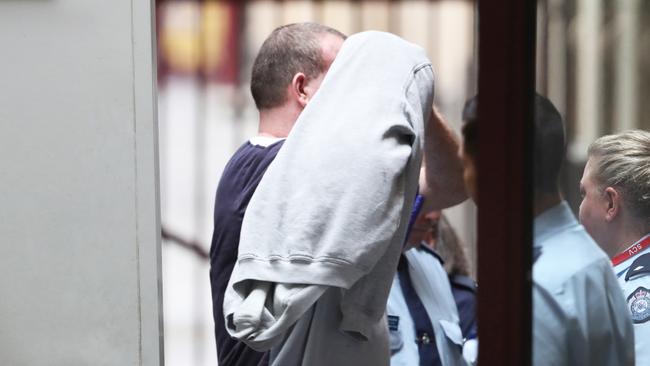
425	247
628	262
556	219
264	141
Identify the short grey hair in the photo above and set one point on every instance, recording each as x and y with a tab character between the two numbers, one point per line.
289	49
622	161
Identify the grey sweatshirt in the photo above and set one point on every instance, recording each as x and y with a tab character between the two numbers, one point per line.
322	234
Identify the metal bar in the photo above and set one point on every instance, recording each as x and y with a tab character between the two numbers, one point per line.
506	85
193	246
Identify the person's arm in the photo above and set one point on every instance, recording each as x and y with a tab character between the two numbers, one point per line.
441	177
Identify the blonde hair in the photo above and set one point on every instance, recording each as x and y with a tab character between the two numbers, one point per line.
622	161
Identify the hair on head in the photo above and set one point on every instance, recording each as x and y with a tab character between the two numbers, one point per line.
550	145
289	49
622	161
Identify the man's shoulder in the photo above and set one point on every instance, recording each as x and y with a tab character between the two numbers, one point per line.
568	252
594	283
253	148
250	156
569	260
574	235
239	180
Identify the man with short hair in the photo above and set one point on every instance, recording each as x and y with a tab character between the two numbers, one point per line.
578	315
286	74
615	210
323	233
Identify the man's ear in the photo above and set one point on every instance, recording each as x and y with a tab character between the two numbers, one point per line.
298	84
613	200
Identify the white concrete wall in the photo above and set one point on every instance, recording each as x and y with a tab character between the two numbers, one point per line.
79	206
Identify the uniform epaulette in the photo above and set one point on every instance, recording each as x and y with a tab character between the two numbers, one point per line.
463	281
537	251
640	266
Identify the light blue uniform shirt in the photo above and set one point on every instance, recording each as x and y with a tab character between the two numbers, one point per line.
579	315
431	284
636	293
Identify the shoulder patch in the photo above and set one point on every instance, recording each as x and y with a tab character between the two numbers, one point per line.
640	266
639	304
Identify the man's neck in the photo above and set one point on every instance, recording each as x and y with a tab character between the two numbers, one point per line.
545	201
277	122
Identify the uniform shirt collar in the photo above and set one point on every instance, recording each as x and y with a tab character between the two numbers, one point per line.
556	219
425	247
628	262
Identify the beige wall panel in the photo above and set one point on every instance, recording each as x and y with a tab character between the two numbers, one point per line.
294	11
456	42
435	33
262	17
556	62
375	15
341	15
626	90
413	20
587	29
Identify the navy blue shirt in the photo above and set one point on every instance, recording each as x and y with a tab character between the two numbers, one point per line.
238	182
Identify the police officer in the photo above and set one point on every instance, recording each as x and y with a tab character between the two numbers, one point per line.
444	240
422	315
578	313
615	210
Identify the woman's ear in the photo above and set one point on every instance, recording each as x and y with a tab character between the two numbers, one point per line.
613	200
